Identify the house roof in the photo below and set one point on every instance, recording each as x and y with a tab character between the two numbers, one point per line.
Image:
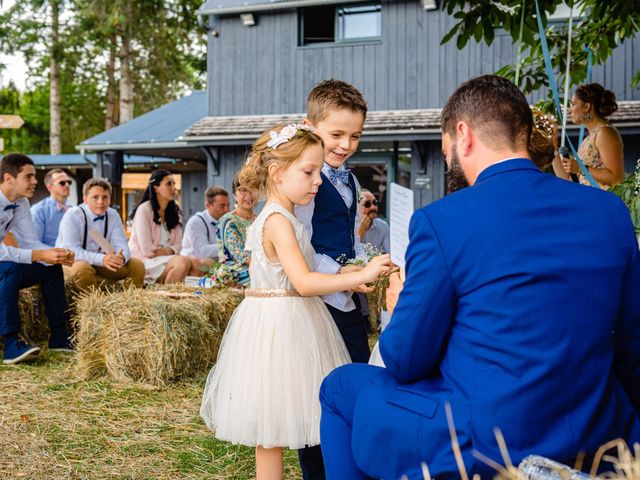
380	125
157	129
397	123
229	7
86	160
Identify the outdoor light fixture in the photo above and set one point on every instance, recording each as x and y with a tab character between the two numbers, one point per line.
247	19
430	4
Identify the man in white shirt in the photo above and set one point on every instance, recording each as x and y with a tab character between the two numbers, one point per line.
29	263
200	235
94	232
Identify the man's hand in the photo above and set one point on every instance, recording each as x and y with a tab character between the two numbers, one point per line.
112	261
53	256
364	226
393	291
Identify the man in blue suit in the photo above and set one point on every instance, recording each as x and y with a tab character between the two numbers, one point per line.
521	309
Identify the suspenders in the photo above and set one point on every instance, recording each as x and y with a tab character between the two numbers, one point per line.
206	227
86	227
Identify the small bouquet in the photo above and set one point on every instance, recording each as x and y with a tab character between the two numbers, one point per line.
376	298
217	275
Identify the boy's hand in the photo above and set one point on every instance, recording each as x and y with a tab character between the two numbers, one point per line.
112	261
53	256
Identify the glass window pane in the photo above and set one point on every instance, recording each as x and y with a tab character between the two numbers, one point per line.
359	22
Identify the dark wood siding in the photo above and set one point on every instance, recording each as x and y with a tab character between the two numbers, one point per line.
261	69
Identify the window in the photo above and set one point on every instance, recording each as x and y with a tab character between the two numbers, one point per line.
340	24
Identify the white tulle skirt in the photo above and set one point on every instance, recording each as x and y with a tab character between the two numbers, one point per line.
264	387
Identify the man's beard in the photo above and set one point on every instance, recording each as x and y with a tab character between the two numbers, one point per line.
454	178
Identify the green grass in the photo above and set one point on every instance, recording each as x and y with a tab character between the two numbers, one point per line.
53	425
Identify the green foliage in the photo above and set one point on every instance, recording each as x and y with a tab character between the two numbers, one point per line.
600	26
169	59
629	192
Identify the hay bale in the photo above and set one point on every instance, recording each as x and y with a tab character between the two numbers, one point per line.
150	337
34	328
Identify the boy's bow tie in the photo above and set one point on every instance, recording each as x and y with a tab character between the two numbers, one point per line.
11	206
341	175
100	217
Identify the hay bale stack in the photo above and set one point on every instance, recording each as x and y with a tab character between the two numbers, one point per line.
148	336
34	327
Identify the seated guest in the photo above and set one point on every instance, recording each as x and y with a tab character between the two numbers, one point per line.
512	313
232	233
200	240
156	231
29	263
373	230
93	263
48	212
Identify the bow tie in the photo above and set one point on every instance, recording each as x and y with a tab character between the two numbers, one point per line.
11	206
100	217
341	175
61	206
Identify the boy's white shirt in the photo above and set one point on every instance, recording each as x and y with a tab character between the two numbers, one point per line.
324	263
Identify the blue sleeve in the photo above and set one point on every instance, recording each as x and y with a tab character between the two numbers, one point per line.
627	334
39	220
416	337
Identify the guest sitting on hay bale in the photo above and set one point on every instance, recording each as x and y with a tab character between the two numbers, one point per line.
48	212
30	263
156	231
232	233
200	241
94	232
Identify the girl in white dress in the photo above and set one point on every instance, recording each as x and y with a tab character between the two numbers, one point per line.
281	341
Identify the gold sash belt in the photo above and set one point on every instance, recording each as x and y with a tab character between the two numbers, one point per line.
270	293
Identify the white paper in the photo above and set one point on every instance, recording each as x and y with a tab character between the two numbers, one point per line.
400	215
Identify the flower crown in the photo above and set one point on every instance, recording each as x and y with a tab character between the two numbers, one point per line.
286	134
543	122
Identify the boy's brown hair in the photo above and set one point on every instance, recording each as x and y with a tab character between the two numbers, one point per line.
334	95
96	182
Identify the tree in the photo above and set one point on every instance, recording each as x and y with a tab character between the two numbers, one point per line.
601	26
110	56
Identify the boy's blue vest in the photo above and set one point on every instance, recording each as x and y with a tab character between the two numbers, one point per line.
333	223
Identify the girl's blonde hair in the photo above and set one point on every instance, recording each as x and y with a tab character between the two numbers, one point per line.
254	174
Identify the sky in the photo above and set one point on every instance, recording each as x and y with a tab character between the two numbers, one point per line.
14	66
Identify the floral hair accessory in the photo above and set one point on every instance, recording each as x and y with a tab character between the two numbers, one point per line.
544	123
286	134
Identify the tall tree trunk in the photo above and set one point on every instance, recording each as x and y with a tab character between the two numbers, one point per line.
111	117
55	143
126	79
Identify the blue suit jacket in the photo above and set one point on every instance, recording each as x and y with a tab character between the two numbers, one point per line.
521	308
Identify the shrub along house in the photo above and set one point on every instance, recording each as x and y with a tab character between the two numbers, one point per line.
264	56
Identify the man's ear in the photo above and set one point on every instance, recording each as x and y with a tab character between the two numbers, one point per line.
464	138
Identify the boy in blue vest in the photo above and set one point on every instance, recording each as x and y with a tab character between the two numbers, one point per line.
336	110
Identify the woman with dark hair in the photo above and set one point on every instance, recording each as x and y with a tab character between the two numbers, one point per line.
602	150
232	233
156	231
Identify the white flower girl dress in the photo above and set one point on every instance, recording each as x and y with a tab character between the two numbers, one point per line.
277	349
